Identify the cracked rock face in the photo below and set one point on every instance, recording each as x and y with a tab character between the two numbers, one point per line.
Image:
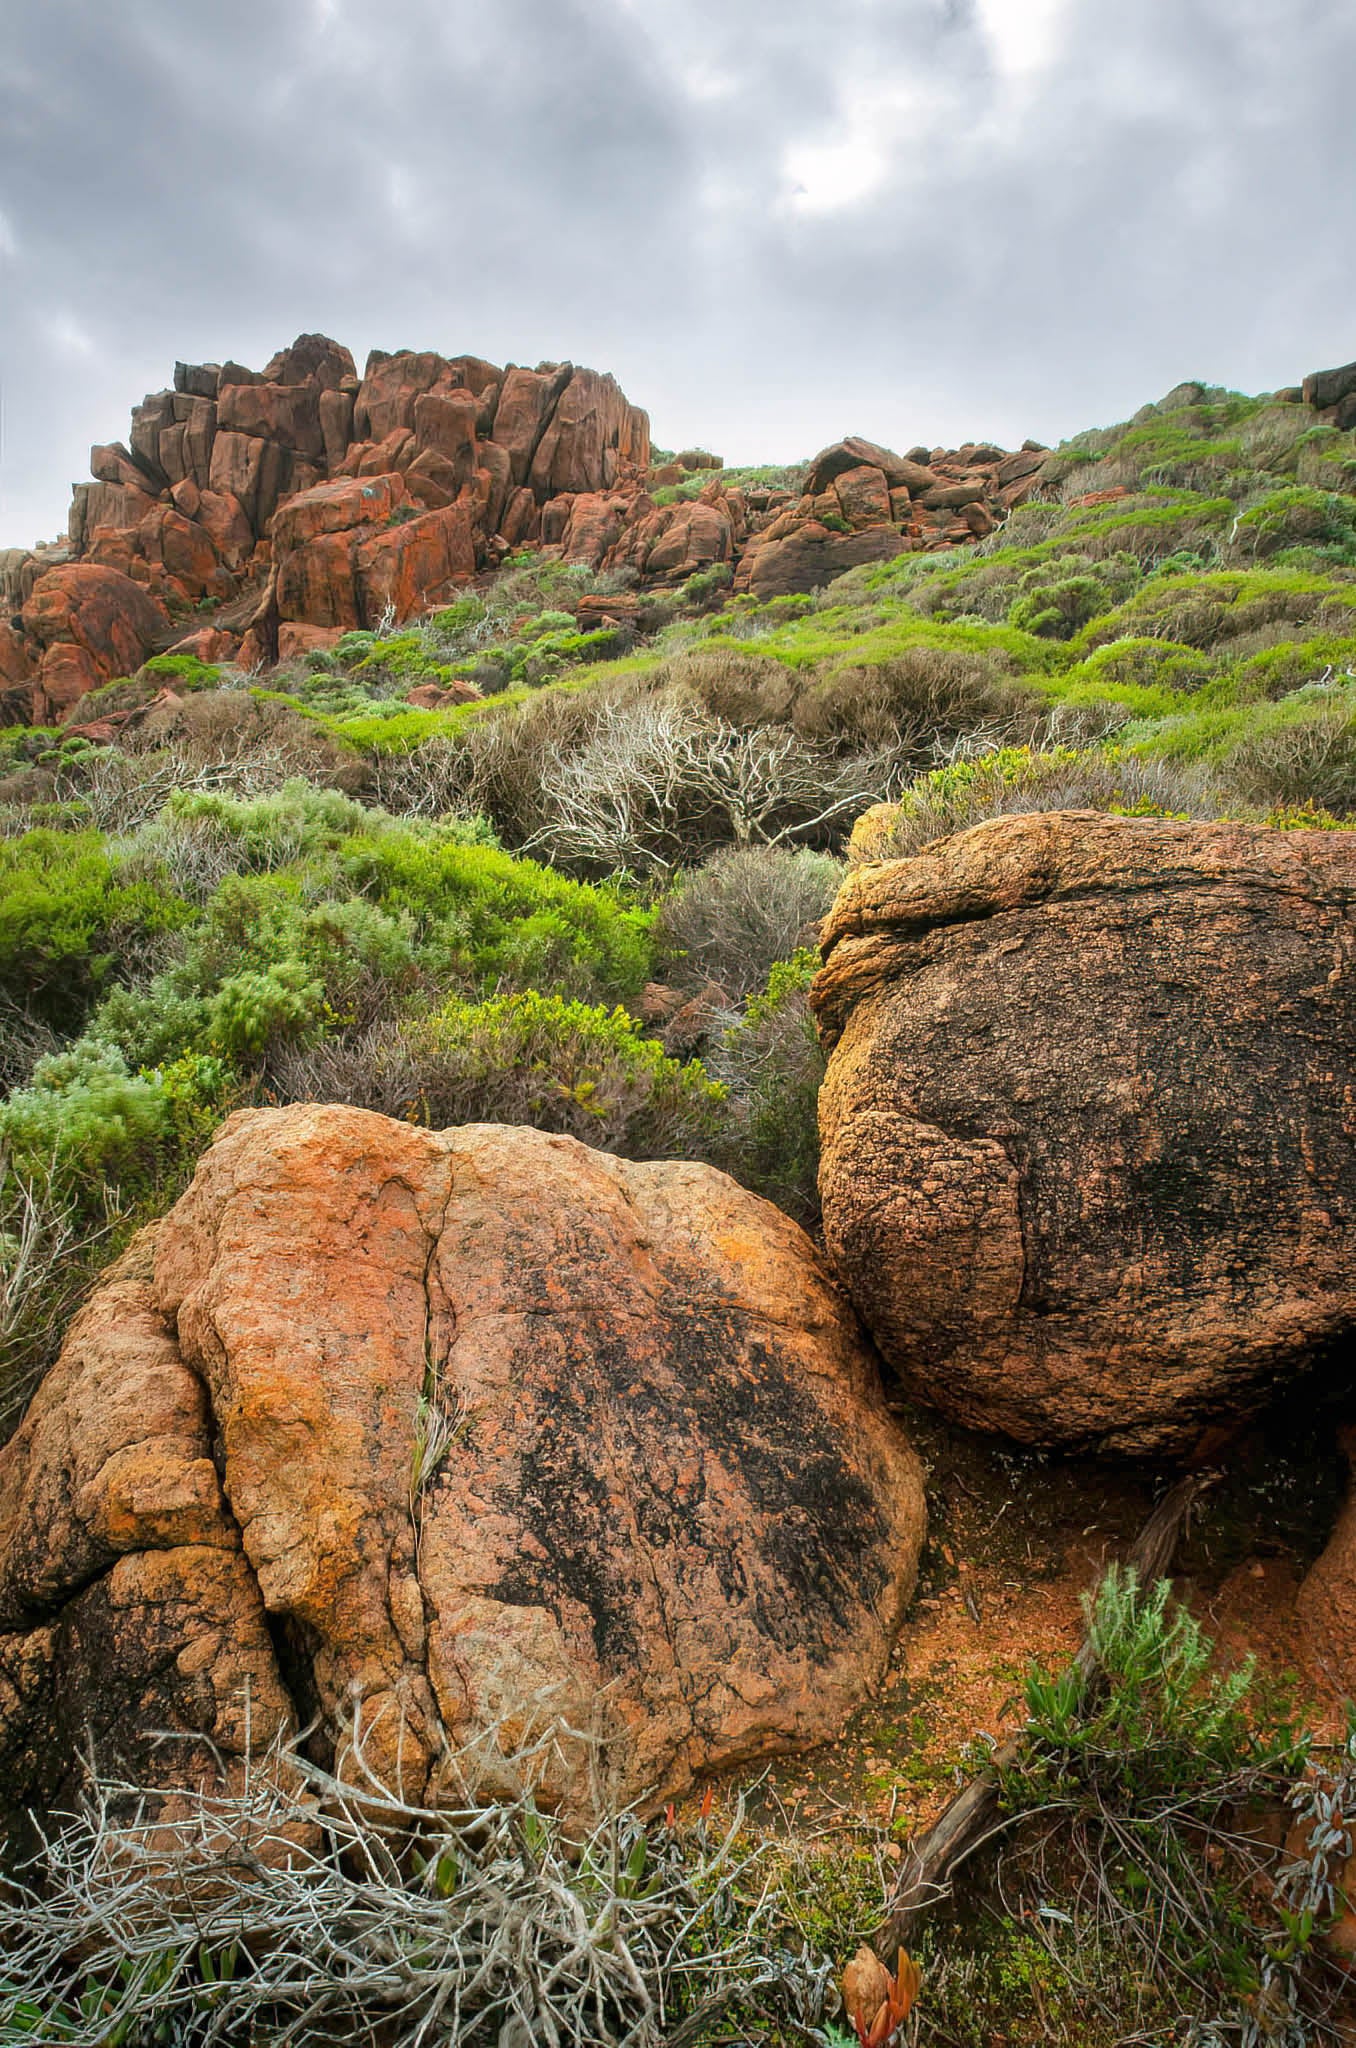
670	1505
1089	1124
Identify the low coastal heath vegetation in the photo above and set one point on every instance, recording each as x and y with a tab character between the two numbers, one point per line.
584	894
270	885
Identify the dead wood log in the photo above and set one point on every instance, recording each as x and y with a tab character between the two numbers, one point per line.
970	1817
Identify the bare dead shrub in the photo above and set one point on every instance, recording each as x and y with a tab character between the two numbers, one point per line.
659	786
224	1918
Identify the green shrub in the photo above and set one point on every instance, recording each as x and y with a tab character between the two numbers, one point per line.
66	918
1298	517
1056	610
85	1121
532	1059
183	672
1161	1768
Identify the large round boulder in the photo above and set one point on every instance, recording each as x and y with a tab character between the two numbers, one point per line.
1089	1123
478	1429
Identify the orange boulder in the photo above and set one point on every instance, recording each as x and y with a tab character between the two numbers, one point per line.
1082	1172
863	496
455	1491
99	611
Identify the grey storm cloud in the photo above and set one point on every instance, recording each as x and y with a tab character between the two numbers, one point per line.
915	219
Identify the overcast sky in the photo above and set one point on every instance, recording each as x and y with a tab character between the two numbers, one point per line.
776	221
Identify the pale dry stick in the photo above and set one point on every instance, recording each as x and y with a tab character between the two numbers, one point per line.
970	1818
512	1932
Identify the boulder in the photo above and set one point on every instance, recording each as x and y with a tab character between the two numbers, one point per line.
257	473
105	615
111	463
126	1600
335	409
289	413
863	496
812	554
596	522
210	644
526	401
445	424
690	537
945	497
591	431
149	419
67	674
312	359
1089	1161
666	1501
199	380
855	453
186	551
390	386
317	584
16	656
222	517
1329	387
99	504
295	639
335	507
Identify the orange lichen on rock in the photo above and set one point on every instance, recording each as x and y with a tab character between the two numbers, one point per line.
507	1430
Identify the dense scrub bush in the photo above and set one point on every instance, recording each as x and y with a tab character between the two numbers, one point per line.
771	1064
728	923
1296	523
1017	779
202	838
363	925
1058	597
84	1121
1306	756
525	1059
917	703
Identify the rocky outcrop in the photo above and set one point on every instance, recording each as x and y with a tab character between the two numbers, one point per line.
863	503
477	1424
554	457
348	551
1089	1165
186	506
